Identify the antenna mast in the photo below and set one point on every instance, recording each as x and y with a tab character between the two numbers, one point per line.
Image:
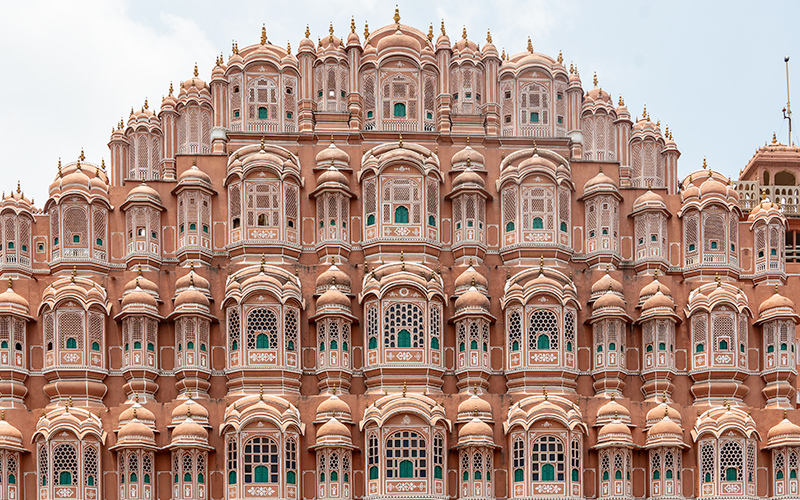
787	112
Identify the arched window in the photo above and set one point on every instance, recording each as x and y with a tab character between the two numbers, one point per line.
65	464
543	323
518	459
406	456
399	110
262	329
401	215
373	460
403	322
548	461
261	461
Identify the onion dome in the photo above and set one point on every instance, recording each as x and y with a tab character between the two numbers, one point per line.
611	411
191	297
306	44
475	433
332	176
399	41
597	94
488	48
474	406
135	433
469	176
333	155
193	176
333	430
776	306
12	302
469	278
189	434
334	407
333	276
137	411
193	83
443	41
659	300
605	284
10	436
650	200
608	300
472	299
614	433
191	279
666	432
651	288
657	413
784	433
712	186
190	407
468	157
17	201
333	298
352	38
143	194
138	297
622	110
600	183
691	191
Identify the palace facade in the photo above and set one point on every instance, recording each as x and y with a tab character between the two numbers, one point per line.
401	265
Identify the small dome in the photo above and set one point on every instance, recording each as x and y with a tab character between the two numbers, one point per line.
189	430
469	176
333	428
331	276
784	428
143	193
609	300
471	277
658	300
13	300
334	406
468	155
138	297
9	435
333	297
665	426
650	199
691	191
188	407
332	175
654	286
615	428
332	154
599	181
535	161
135	429
472	404
191	279
141	413
191	296
606	283
398	40
194	175
141	282
713	186
475	427
613	410
657	413
774	301
473	299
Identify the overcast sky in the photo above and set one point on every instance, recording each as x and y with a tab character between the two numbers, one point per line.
712	71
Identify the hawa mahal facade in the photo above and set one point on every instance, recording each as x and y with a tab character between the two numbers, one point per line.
401	265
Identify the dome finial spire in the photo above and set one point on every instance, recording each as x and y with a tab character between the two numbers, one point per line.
263	34
396	16
10	283
488	35
196	73
541	265
464	32
443	31
530	45
705	165
74	273
352	24
263	259
404	389
560	58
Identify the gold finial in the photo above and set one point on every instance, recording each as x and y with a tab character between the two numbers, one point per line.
43	413
666	411
727	404
191	279
470	262
776	286
366	31
263	140
530	45
705	165
473	281
488	36
774	138
18	188
503	55
352	24
541	265
560	58
196	73
263	259
718	280
59	167
464	32
74	273
535	147
263	34
69	403
616	415
134	412
644	112
475	389
145	106
188	411
103	164
430	33
475	411
665	396
288	47
261	392
621	100
10	283
2	415
544	389
330	31
401	140
82	156
136	397
594	80
404	389
396	16
710	173
442	28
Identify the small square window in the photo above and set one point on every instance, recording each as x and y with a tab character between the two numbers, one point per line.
467	95
508	94
653	237
559	96
289	115
289	90
319	94
534	117
236	114
560	120
507	118
429	115
331	93
455	97
343	94
691	247
369	114
40	248
235	89
714	245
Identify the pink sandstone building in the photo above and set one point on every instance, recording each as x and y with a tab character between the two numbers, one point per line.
399	266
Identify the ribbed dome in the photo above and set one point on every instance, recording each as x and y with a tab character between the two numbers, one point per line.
654	286
398	40
138	297
332	154
333	406
333	297
657	413
469	176
191	296
615	428
471	277
650	199
197	411
468	154
187	280
189	430
665	426
775	300
13	299
713	186
9	433
194	175
475	427
143	193
332	175
135	429
333	428
473	404
609	300
612	409
598	181
143	283
784	428
142	414
473	298
331	276
658	300
605	283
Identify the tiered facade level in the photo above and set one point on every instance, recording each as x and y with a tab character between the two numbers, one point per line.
399	267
